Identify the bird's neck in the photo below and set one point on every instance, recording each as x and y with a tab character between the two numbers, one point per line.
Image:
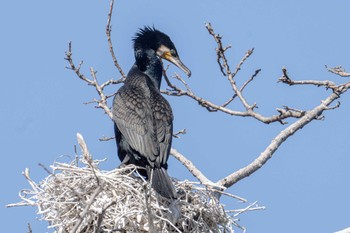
149	63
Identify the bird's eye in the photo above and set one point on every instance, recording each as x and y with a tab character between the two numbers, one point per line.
173	52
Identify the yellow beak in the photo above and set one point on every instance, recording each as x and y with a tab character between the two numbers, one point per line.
176	61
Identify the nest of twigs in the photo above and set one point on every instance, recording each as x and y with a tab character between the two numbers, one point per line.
84	198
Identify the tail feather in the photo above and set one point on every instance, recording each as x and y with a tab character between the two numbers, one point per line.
162	183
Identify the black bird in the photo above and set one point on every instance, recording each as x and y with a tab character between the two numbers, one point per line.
143	119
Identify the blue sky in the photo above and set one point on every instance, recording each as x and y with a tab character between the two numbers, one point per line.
305	186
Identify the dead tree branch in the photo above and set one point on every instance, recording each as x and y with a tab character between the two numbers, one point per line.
309	116
189	165
303	116
102	101
347	230
29	228
176	134
237	92
110	44
285	79
338	70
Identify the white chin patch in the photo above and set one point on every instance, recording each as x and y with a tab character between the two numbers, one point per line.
161	50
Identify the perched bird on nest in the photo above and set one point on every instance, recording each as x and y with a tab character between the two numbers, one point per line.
143	119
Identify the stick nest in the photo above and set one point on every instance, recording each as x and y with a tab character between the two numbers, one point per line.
87	199
84	198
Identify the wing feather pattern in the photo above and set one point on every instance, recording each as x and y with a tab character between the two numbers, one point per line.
144	118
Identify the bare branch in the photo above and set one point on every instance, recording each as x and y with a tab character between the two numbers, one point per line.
104	139
102	102
68	57
243	86
220	50
45	168
245	57
84	150
304	116
338	70
212	107
250	79
285	79
284	113
108	33
109	82
347	230
281	137
251	207
87	157
176	91
176	134
189	165
29	228
178	77
225	68
238	92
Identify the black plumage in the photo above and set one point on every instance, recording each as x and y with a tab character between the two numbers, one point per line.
143	119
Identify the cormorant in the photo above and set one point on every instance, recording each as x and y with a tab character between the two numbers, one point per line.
143	119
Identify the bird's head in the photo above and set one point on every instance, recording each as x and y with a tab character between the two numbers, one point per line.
152	39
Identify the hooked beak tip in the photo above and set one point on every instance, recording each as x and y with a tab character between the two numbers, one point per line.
179	64
176	61
188	73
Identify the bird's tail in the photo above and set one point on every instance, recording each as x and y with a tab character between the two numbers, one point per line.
162	183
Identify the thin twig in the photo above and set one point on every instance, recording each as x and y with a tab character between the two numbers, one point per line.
242	88
250	79
45	168
210	105
285	79
237	91
245	57
110	44
102	102
29	228
176	134
220	51
338	70
104	139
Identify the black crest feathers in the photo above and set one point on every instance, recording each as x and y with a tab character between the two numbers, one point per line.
151	38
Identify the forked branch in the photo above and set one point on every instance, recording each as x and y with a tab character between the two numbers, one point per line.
309	116
303	116
102	101
338	70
